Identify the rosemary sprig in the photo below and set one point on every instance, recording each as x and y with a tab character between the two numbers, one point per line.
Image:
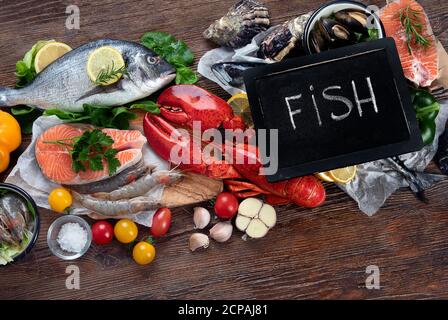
110	74
411	21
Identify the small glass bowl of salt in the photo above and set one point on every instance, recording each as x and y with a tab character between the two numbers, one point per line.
69	237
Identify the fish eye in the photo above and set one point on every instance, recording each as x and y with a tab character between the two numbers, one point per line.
152	60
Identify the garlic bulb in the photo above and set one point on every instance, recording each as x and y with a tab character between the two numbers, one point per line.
201	217
198	240
221	231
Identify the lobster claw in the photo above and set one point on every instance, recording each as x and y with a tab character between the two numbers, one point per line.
177	146
172	144
183	104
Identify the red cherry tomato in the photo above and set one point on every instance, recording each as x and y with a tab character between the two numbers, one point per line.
226	205
161	222
102	232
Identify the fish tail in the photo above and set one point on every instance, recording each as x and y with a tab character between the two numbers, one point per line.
9	97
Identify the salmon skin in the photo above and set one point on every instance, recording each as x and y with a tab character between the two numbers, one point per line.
65	85
420	64
56	164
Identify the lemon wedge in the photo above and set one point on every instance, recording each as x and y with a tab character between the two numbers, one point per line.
240	105
343	175
103	60
49	53
324	176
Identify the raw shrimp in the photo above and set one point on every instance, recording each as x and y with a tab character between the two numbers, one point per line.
12	203
14	221
5	235
141	186
117	207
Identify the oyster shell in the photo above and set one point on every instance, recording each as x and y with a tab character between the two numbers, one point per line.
283	40
236	29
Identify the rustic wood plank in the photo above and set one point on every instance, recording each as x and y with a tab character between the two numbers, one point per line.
318	253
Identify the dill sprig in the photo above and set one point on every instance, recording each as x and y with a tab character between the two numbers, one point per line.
411	21
110	74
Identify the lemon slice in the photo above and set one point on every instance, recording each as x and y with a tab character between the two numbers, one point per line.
343	175
104	60
325	176
49	53
240	105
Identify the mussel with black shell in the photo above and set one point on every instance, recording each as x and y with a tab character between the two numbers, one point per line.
342	28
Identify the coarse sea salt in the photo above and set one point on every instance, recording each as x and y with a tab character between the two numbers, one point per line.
72	237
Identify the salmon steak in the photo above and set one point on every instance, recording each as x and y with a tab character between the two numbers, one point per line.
56	163
420	63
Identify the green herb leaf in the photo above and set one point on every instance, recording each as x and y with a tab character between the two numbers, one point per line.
96	163
19	111
185	75
412	22
111	73
148	106
25	71
176	52
100	116
25	116
90	150
373	34
112	162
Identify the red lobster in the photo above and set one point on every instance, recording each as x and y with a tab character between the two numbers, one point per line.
180	105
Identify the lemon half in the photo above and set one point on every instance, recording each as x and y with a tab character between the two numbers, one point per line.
104	59
49	53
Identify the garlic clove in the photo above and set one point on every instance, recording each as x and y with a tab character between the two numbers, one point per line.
268	215
201	217
241	222
221	231
250	207
198	240
256	229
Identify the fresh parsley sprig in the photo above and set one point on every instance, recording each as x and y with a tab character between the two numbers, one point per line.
411	20
110	73
89	150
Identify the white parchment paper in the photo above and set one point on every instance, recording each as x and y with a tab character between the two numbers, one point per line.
27	174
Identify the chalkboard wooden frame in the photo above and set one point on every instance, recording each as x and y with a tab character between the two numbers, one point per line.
414	143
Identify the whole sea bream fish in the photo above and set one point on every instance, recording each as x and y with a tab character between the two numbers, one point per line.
65	85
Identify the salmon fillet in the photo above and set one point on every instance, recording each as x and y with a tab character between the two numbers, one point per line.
56	163
421	65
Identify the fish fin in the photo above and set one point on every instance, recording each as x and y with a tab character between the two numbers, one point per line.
101	90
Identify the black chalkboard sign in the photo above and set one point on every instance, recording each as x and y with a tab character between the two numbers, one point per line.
338	108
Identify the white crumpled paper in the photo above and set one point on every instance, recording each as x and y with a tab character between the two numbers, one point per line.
28	176
223	54
375	181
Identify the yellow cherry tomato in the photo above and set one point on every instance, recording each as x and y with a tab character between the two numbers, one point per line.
10	134
144	253
125	231
4	158
60	199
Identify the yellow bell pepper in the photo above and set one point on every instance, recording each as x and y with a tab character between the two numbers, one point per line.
10	138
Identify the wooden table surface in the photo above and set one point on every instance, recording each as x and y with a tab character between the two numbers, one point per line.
318	253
